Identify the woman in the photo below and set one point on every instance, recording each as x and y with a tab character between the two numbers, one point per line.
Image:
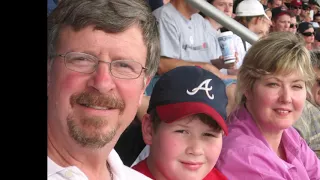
273	82
268	12
307	31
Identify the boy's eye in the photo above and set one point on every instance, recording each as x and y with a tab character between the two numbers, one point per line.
209	135
181	131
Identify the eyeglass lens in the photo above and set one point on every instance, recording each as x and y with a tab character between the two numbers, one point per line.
293	25
85	63
308	33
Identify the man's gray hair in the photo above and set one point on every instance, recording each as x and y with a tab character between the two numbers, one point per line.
111	16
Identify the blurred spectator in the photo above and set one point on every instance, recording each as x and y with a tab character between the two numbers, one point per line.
293	24
315	59
274	3
305	13
314	6
316	18
316	43
280	19
268	13
155	4
187	40
226	6
251	14
184	38
307	31
295	7
309	123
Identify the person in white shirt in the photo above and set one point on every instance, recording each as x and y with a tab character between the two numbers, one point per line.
226	7
101	56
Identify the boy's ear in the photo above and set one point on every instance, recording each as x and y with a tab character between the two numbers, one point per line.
147	129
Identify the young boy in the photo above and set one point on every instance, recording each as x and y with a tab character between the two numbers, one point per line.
184	126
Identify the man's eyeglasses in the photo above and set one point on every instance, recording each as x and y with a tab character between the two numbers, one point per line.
296	7
86	63
308	33
293	25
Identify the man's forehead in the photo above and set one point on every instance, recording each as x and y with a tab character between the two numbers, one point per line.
129	43
132	35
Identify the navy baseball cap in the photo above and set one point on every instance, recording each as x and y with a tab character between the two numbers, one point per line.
279	11
189	90
304	26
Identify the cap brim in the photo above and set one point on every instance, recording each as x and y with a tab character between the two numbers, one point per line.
265	15
172	112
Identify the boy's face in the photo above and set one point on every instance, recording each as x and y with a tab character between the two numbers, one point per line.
185	149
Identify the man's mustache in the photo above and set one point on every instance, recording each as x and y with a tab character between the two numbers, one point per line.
97	99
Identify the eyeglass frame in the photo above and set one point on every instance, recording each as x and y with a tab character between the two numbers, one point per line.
98	61
293	25
312	33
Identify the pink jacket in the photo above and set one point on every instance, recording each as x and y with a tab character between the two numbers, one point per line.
247	155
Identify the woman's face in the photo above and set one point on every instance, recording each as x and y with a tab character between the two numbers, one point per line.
276	101
260	26
308	35
269	14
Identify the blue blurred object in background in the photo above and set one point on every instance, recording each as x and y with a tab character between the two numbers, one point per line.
51	5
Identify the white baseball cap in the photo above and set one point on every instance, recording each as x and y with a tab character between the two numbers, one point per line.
250	8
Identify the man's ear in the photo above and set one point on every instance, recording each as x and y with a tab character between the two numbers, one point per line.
142	110
147	129
146	81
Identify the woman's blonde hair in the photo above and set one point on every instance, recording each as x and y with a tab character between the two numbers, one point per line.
277	53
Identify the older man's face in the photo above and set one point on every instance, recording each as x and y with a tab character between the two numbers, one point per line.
94	108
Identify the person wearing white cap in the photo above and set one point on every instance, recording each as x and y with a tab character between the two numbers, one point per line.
251	14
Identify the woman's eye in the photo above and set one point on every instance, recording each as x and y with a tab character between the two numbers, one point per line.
272	84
